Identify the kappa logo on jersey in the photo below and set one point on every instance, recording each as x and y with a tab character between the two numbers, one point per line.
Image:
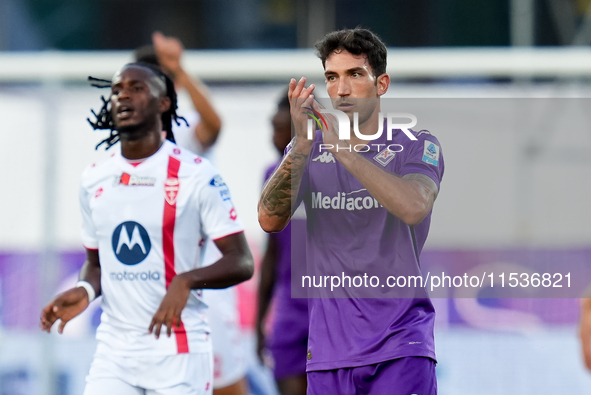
131	243
171	190
233	214
127	179
384	157
325	157
431	153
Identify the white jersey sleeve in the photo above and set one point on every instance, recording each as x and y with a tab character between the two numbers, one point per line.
89	238
218	215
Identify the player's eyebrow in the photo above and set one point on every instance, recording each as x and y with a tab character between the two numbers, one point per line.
348	71
132	82
356	70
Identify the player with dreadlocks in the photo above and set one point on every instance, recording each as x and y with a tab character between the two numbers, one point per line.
199	135
104	119
144	210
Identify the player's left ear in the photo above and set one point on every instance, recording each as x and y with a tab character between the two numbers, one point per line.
383	83
164	104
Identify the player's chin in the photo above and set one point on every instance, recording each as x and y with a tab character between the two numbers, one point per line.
129	129
126	123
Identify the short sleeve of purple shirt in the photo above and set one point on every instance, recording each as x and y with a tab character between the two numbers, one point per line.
423	156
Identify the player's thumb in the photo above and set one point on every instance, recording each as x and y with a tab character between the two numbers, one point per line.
62	325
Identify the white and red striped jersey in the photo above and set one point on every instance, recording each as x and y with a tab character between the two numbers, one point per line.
148	222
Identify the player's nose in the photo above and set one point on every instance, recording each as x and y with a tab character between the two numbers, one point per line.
344	89
123	94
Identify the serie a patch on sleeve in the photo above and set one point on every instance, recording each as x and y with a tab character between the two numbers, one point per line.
431	153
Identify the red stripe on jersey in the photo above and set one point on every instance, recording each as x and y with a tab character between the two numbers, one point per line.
182	344
168	223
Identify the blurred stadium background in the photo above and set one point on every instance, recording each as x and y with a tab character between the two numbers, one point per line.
507	196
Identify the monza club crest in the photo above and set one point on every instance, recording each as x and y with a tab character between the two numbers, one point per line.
171	190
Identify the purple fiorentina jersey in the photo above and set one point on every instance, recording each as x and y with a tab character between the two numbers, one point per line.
291	319
350	232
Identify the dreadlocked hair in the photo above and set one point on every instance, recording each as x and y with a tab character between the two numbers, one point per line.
104	119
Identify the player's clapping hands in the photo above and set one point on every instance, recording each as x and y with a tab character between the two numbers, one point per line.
64	307
302	101
169	312
330	130
300	97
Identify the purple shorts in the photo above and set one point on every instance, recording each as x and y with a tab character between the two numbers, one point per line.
289	345
289	361
402	376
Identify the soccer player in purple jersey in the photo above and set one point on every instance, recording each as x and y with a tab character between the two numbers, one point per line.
378	224
288	338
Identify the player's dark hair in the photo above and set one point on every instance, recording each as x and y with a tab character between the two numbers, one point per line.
146	54
357	41
104	119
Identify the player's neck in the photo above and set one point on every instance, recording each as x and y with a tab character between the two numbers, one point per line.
143	147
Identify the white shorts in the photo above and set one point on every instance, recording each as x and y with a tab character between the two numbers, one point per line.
180	374
229	349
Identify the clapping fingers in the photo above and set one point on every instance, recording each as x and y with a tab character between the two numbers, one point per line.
298	90
300	97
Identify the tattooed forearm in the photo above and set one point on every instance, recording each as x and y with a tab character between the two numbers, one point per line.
281	191
283	186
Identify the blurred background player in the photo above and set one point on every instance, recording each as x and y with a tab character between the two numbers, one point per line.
199	136
288	338
140	234
204	123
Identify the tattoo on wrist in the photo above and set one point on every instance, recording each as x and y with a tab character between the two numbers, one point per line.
277	201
